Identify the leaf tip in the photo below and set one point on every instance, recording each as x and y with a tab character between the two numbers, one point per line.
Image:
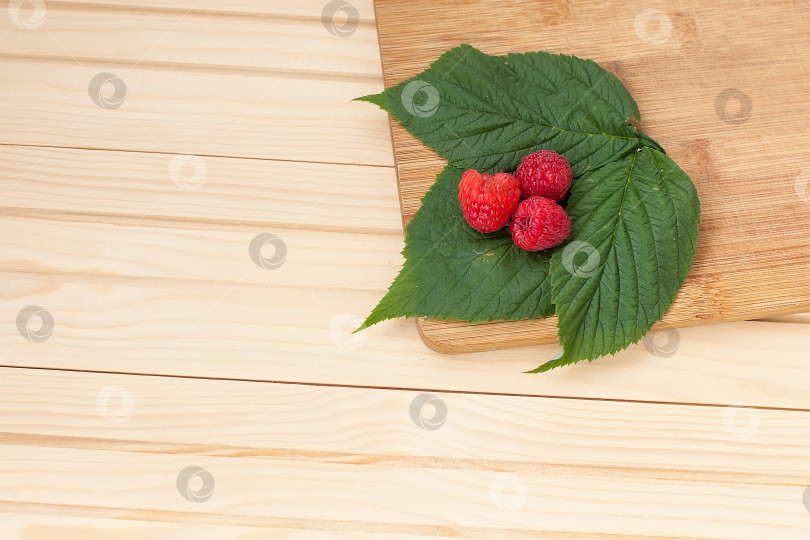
370	321
359	328
376	99
551	364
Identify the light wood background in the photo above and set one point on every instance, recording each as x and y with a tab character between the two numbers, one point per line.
171	348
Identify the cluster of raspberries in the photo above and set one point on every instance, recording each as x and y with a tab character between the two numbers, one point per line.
538	222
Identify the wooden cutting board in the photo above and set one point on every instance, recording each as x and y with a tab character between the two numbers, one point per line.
723	85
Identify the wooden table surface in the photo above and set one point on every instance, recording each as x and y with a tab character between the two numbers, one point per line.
194	217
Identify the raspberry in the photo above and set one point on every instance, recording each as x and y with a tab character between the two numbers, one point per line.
539	223
545	174
488	201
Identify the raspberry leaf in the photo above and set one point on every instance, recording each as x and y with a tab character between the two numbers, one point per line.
634	212
452	271
635	228
486	112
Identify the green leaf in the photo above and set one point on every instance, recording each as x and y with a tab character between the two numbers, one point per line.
487	112
452	271
635	214
635	228
646	140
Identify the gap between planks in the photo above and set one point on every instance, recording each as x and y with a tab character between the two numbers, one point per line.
199	154
186	223
405	388
191	67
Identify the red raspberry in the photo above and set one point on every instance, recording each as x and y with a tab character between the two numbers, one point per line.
488	201
539	223
544	173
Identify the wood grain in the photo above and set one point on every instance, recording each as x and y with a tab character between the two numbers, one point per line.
172	348
268	116
27	521
194	40
140	187
425	501
753	257
200	253
135	324
278	8
271	466
280	422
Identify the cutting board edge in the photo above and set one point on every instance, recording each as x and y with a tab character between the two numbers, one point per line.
471	346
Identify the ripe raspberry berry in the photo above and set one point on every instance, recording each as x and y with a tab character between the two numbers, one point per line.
539	223
488	201
545	174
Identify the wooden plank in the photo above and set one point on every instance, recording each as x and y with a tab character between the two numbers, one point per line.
206	252
231	192
193	40
22	521
292	8
269	116
280	422
794	318
753	260
370	498
64	433
301	334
